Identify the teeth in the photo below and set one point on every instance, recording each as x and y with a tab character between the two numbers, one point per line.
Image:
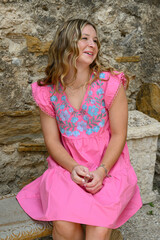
89	53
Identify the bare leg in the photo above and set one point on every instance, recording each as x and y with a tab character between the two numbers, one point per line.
100	233
63	230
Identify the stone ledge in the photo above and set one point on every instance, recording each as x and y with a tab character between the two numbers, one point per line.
15	224
140	125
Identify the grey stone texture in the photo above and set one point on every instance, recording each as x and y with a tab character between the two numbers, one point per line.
129	34
142	141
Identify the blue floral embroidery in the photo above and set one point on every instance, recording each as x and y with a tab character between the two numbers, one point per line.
85	117
102	75
81	126
54	98
89	131
64	115
101	124
103	103
71	110
76	133
93	110
90	93
74	119
84	106
63	98
68	133
103	110
89	119
100	91
93	101
62	130
62	106
95	129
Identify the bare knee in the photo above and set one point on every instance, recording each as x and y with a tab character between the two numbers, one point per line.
66	230
101	233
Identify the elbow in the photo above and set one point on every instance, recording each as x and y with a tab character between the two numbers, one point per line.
52	144
121	137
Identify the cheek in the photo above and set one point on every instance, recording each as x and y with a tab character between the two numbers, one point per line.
81	47
96	52
97	49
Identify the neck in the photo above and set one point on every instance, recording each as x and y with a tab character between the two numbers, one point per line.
82	76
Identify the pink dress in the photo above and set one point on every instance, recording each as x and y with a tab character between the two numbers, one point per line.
85	134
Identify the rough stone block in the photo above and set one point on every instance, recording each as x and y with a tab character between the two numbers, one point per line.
142	143
19	126
148	100
36	46
32	147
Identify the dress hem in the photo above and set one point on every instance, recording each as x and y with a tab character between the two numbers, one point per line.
82	221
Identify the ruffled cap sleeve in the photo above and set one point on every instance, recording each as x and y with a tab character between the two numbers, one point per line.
41	95
113	86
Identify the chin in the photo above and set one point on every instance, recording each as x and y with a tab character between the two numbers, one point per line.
85	63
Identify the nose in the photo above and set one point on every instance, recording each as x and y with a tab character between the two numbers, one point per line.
91	43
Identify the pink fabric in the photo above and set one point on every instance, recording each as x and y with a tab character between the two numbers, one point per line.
42	97
85	134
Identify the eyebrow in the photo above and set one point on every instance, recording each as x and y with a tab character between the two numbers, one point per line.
87	35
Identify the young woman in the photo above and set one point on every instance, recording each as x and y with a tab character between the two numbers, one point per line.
83	112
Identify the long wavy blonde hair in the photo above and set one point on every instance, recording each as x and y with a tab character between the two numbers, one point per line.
64	52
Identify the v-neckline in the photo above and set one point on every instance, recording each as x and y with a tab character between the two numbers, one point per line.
86	93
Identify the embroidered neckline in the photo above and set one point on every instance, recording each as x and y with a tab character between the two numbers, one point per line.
85	95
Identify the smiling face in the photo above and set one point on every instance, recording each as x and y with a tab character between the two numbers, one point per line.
87	45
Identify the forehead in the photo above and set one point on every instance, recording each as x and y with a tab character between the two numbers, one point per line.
89	30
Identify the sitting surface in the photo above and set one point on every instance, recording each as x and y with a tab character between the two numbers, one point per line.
15	224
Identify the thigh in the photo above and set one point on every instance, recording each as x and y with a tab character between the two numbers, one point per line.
95	232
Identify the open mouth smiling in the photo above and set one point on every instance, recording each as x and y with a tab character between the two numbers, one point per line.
89	53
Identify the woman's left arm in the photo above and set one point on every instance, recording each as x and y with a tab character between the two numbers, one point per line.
118	117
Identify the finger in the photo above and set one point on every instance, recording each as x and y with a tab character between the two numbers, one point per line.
77	179
88	179
85	170
93	190
82	172
91	184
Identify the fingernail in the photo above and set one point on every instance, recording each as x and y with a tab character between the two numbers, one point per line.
83	180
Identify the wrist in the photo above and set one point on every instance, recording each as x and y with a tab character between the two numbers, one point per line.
74	165
103	169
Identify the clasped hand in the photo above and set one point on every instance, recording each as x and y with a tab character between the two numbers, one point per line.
92	181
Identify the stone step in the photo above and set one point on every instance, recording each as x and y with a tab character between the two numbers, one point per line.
15	224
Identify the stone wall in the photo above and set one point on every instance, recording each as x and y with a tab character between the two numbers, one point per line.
129	33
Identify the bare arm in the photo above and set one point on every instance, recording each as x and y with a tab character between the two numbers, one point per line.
118	117
53	143
57	151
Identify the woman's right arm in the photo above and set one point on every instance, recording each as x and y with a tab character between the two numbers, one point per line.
57	151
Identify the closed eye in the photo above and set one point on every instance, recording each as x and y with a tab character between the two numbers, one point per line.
85	38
